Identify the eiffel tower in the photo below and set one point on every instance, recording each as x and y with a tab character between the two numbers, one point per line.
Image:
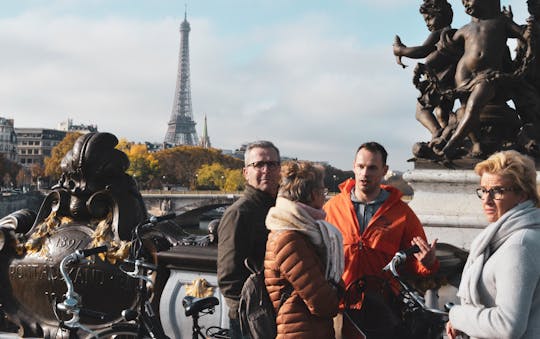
181	129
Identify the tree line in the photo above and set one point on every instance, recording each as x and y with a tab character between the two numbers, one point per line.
181	167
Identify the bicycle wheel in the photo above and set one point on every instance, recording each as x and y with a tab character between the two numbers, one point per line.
119	331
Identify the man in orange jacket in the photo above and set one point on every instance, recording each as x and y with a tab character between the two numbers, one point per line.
375	224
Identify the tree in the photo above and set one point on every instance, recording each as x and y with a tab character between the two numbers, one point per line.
216	176
8	170
7	180
142	164
36	171
180	164
52	164
22	177
235	180
211	176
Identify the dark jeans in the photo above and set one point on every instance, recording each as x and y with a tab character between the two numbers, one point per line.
234	330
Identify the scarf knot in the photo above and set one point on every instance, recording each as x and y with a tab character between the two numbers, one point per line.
327	239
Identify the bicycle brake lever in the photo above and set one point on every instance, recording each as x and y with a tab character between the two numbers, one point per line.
88	330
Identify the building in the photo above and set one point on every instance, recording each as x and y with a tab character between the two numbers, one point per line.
8	139
34	144
69	126
181	127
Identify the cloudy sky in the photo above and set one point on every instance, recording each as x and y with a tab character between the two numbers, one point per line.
317	77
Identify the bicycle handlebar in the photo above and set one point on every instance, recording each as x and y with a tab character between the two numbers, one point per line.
398	259
91	251
156	219
72	299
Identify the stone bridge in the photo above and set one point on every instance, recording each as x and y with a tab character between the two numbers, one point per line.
189	205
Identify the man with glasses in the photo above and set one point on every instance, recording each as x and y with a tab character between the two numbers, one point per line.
375	224
242	232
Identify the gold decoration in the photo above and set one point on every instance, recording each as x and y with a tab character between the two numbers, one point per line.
199	288
103	235
35	243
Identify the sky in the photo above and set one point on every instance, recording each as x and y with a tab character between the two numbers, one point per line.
316	77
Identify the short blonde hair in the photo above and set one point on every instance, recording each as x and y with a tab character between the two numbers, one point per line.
520	169
299	179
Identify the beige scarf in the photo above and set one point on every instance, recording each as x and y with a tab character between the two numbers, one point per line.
292	216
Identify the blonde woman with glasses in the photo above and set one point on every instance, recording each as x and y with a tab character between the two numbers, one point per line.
500	285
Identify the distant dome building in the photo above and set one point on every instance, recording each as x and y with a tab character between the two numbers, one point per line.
8	139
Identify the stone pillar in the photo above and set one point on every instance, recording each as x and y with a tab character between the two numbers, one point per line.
447	205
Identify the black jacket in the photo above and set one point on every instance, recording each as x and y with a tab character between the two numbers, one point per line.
241	234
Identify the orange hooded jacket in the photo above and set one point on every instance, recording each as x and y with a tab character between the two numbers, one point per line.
391	229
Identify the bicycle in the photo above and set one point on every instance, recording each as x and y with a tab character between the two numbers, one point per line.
389	308
418	320
141	321
194	308
71	304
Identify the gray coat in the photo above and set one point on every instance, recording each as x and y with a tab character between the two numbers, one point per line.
509	288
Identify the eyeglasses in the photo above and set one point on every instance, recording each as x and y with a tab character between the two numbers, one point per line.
260	164
323	190
495	193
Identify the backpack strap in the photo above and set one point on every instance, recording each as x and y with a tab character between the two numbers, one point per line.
287	291
252	268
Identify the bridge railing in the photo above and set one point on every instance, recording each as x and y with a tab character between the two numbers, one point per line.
199	192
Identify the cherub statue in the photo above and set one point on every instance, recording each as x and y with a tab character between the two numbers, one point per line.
432	108
483	70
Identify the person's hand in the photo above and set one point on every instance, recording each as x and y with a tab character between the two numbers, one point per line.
427	252
398	46
450	331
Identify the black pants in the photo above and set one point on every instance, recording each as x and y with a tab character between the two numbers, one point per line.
377	319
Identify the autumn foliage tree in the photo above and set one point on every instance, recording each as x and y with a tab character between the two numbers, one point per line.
142	164
180	165
52	164
217	177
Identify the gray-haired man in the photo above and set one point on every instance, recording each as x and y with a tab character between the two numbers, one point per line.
242	232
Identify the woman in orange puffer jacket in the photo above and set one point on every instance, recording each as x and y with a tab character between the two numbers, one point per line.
303	252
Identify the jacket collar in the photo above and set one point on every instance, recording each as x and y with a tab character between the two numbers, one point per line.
259	196
347	186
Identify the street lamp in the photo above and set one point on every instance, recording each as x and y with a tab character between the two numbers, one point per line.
335	182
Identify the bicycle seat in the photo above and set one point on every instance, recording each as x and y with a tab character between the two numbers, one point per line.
194	305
